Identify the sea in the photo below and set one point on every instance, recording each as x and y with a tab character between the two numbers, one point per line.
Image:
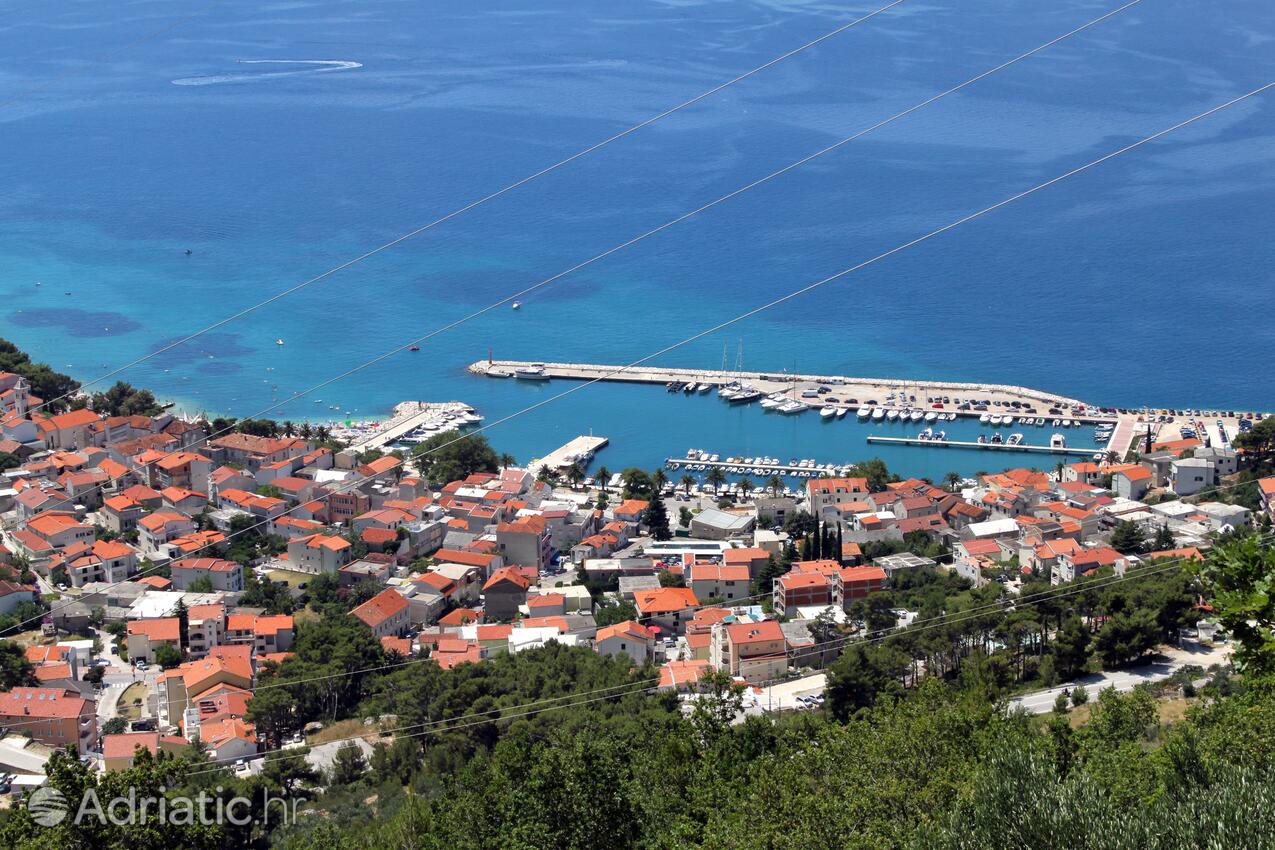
166	165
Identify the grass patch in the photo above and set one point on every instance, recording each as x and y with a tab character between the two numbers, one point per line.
292	579
344	729
126	708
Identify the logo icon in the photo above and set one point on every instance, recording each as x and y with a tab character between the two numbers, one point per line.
47	806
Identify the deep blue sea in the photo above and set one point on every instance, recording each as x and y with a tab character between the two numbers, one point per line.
133	131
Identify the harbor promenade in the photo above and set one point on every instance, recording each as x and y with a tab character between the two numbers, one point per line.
970	444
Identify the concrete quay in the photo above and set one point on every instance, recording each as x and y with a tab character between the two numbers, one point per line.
850	392
565	456
970	444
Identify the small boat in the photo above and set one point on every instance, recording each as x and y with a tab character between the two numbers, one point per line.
985	418
188	252
1066	423
982	439
793	406
864	412
278	341
917	415
827	412
1040	423
414	348
689	388
892	414
842	411
1058	441
703	388
771	402
877	414
534	372
516	305
941	436
926	434
1015	439
931	416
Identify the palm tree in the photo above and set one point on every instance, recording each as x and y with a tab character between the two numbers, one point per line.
716	478
546	475
1058	469
776	485
746	486
687	482
507	460
306	430
604	477
951	480
575	475
660	478
289	429
322	433
1112	457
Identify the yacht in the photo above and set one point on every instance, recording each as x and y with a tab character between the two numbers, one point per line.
842	411
877	414
727	390
918	415
793	406
931	416
1058	441
534	372
892	414
703	388
864	412
985	418
1014	439
828	412
745	395
772	401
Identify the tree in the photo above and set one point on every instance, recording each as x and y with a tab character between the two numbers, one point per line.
202	584
125	400
746	486
1258	444
604	478
1128	538
657	519
115	726
348	765
687	481
1071	648
863	674
1238	576
952	479
612	610
167	656
638	484
1164	540
445	457
776	485
720	700
1127	636
575	474
507	461
715	478
15	669
670	579
684	516
659	479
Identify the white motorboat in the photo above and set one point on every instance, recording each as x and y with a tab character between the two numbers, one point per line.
1014	439
534	372
985	418
877	414
703	388
793	406
931	416
892	414
771	402
842	411
917	415
864	412
828	412
1058	441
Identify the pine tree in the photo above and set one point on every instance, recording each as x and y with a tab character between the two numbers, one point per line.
657	519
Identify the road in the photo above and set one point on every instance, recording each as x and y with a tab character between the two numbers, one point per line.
1040	702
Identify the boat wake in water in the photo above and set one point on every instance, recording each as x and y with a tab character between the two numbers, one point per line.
317	66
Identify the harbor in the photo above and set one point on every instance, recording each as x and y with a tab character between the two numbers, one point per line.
698	460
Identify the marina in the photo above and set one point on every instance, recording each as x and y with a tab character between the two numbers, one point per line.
415	422
698	460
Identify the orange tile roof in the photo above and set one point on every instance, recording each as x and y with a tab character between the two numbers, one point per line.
381	607
665	600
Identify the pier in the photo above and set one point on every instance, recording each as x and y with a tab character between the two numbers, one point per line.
565	456
969	444
849	392
756	468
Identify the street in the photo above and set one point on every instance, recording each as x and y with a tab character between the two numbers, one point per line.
1040	702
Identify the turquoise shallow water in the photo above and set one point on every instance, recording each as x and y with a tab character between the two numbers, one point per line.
1146	281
